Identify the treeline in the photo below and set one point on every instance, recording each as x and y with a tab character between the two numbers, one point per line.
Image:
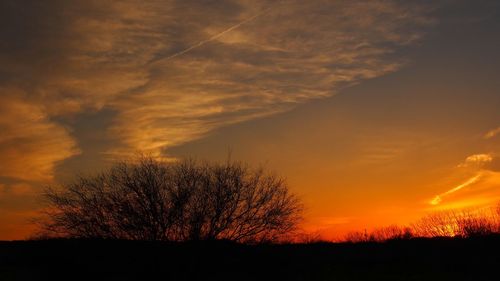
465	223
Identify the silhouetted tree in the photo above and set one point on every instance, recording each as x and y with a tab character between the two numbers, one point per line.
436	225
462	223
188	200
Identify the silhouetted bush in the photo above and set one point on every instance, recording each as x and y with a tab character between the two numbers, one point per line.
307	238
188	200
473	225
463	223
359	237
437	224
383	234
392	232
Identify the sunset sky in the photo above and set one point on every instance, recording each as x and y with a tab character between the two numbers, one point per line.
377	111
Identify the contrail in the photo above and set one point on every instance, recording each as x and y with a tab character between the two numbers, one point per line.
439	197
201	43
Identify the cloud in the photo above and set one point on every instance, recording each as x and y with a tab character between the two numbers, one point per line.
477	160
492	133
66	59
291	54
30	144
484	161
485	179
257	58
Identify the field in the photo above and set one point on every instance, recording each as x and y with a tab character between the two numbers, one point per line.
415	259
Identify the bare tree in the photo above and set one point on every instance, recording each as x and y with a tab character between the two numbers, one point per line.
187	200
462	223
437	224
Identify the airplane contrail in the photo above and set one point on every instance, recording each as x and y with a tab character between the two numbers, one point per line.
439	197
216	36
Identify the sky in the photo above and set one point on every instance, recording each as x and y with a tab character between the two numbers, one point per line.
377	112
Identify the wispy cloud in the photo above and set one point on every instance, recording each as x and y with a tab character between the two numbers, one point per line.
268	65
492	133
216	36
477	160
174	71
30	144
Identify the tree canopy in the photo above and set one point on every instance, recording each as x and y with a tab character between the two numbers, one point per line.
147	199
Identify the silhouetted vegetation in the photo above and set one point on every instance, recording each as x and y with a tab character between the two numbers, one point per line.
467	223
472	259
191	219
177	201
392	232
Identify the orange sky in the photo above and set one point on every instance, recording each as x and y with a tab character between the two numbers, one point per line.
377	112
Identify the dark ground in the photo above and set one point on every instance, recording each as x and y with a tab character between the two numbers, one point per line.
416	259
